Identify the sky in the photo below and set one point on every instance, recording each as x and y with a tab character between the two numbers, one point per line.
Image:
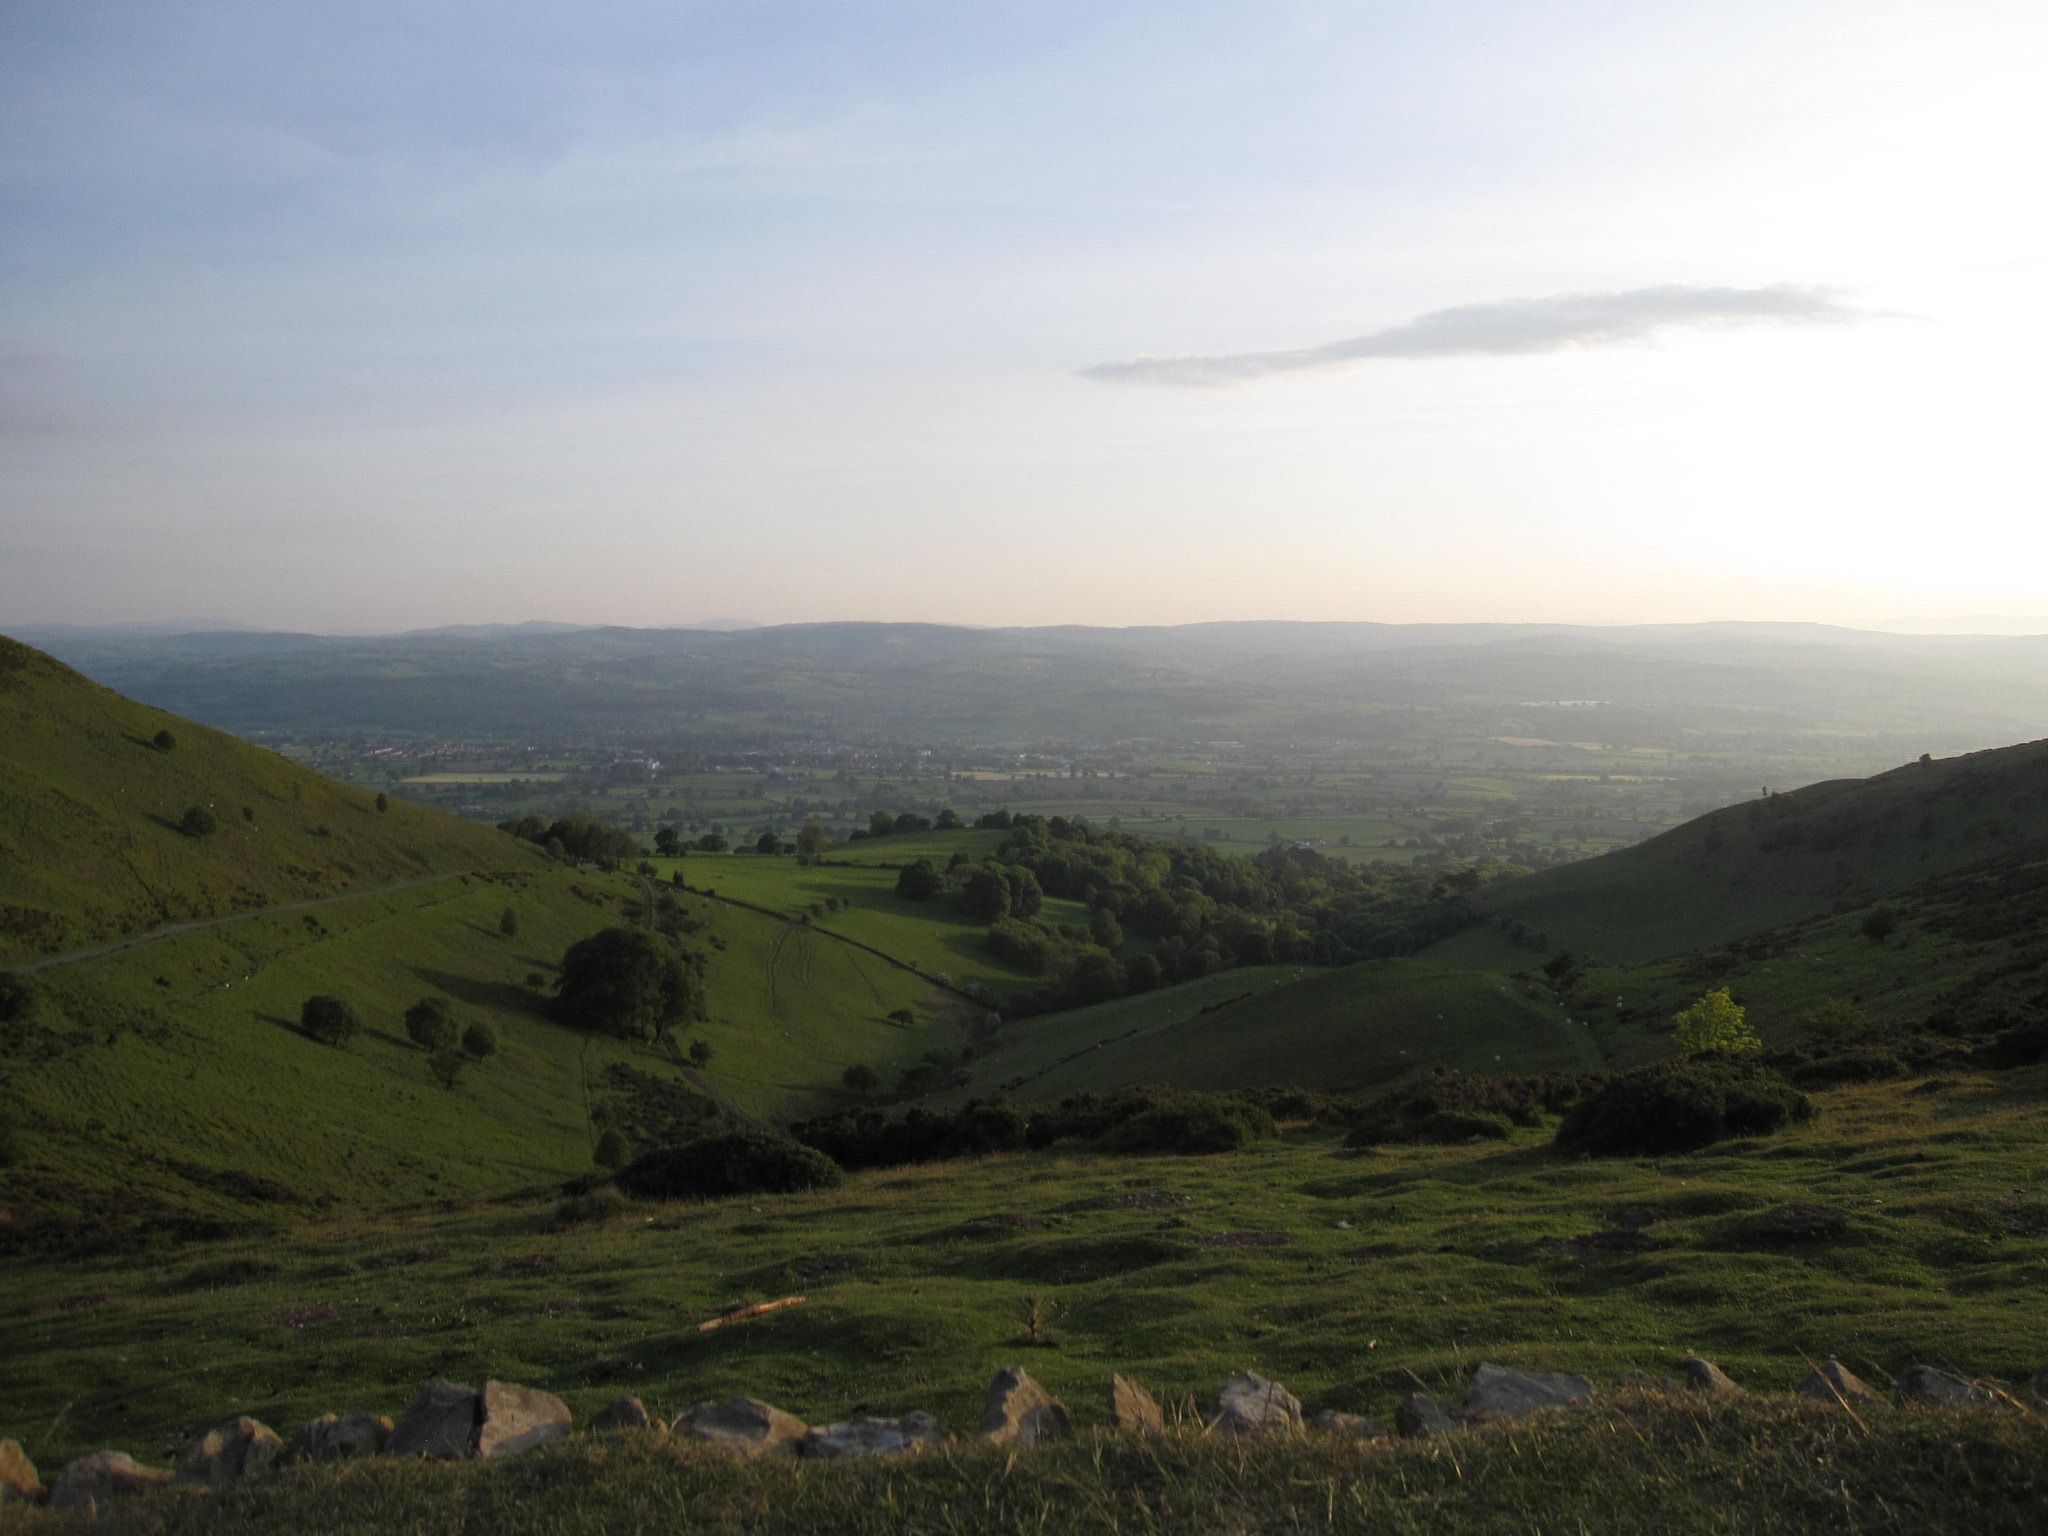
367	317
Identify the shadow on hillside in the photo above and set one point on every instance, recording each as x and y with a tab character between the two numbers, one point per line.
293	1026
163	821
502	995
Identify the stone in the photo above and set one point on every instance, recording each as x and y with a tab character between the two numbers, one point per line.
1132	1407
517	1418
1500	1392
18	1481
1834	1382
1349	1426
874	1437
1251	1405
103	1476
1932	1388
328	1438
1021	1412
1420	1417
227	1453
623	1413
745	1425
1705	1376
440	1423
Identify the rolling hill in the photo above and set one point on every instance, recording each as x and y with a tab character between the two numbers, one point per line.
1833	846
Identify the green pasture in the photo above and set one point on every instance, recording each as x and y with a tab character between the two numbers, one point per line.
1352	1278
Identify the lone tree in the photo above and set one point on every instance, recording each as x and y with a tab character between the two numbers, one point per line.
612	1151
329	1019
626	982
383	801
430	1024
480	1040
862	1079
447	1067
768	842
701	1053
508	922
1714	1023
811	841
198	821
1880	924
668	842
164	741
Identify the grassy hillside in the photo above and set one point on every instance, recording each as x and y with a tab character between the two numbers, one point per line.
1338	1030
90	846
1827	847
1371	1275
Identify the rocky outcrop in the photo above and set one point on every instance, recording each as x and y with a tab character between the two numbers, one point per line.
1021	1412
1251	1405
440	1424
622	1413
1705	1376
19	1483
101	1477
874	1437
744	1425
1500	1392
1833	1382
1929	1387
516	1419
1132	1407
229	1452
329	1438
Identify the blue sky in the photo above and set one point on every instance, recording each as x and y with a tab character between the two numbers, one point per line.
374	316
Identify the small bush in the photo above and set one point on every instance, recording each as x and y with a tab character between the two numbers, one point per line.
611	1151
198	821
1199	1123
600	1204
730	1163
15	997
1680	1107
164	741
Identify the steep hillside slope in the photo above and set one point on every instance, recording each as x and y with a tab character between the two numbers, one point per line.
1828	847
91	806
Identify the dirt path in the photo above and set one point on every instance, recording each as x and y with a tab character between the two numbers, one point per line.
138	940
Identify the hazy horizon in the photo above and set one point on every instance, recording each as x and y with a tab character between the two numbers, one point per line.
396	317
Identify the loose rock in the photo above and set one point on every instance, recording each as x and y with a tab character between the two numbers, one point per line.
518	1418
1932	1388
1021	1412
229	1452
18	1480
1705	1376
441	1423
1420	1417
1499	1392
1349	1426
1834	1382
1132	1407
1251	1405
328	1438
874	1437
744	1425
622	1413
102	1476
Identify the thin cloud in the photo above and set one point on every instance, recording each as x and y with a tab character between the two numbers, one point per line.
1511	328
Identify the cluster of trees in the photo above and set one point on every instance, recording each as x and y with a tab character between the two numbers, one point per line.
579	836
882	824
430	1024
1199	910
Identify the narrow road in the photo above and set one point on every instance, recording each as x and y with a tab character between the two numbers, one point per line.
137	940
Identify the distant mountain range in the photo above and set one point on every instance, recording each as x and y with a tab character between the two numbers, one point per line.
1677	685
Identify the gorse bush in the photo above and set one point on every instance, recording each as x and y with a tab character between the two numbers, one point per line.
1681	1106
1448	1107
1198	1123
729	1163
